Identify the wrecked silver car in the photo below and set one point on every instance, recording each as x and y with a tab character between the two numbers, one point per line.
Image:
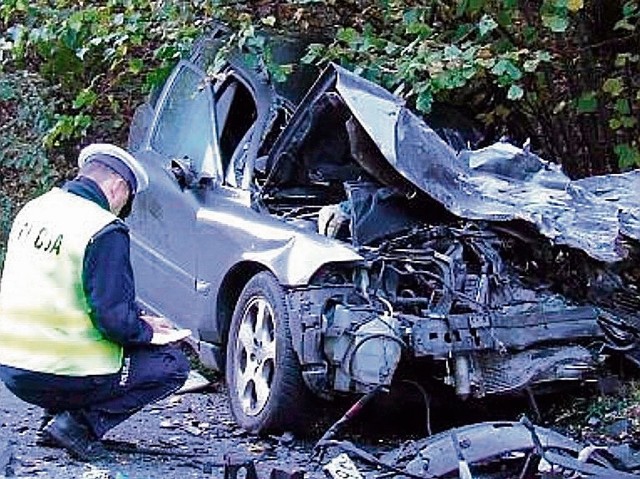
332	244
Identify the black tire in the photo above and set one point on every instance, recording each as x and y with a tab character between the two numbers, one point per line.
266	389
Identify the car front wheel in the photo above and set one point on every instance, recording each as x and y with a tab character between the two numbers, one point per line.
263	376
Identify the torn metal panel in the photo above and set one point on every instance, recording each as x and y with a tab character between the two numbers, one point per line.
567	215
622	190
437	456
374	107
563	211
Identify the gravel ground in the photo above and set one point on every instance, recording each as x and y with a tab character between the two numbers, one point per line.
200	425
189	423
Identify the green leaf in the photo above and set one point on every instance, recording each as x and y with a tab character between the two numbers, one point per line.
587	103
622	106
515	92
615	123
420	29
6	92
486	25
507	68
628	156
269	21
136	65
555	23
613	86
624	25
504	18
347	35
315	51
452	52
544	56
629	8
621	59
476	5
85	98
628	121
530	65
575	5
424	101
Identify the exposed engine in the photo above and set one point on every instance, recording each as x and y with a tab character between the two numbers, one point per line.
468	301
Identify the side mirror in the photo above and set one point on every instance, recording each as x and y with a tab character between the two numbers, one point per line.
182	169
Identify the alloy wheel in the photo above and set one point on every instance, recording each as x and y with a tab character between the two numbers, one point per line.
255	355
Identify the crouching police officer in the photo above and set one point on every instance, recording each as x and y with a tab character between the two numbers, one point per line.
72	339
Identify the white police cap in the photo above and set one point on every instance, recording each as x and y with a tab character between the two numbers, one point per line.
107	149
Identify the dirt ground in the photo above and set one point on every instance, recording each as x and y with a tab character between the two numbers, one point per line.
198	424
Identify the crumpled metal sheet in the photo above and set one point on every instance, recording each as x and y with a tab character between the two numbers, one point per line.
437	456
458	450
623	190
484	185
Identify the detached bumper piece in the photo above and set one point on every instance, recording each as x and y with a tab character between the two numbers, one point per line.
518	448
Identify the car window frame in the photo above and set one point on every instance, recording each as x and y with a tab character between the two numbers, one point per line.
210	169
231	72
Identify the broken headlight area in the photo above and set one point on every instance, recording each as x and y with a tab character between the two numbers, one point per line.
440	302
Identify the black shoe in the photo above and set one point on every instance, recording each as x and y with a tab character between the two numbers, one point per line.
45	440
42	438
75	437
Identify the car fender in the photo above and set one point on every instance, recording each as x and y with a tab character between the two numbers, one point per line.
291	254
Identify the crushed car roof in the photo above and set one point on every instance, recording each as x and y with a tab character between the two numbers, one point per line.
497	183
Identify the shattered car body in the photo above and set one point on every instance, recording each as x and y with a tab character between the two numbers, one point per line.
506	449
331	244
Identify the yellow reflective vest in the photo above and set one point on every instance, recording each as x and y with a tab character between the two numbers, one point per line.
44	313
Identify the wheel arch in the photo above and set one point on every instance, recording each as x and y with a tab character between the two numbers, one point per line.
229	292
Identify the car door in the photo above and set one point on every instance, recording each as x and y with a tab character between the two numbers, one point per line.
181	157
237	115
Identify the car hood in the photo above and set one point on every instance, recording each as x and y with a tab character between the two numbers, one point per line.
497	183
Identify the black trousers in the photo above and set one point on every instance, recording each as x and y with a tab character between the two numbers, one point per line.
149	373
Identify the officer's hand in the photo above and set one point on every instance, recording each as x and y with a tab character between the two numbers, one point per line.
158	324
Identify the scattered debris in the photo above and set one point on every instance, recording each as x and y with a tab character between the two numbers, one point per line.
519	448
7	459
196	382
594	421
346	418
239	470
342	467
286	439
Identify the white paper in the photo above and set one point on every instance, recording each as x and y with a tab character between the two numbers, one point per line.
170	336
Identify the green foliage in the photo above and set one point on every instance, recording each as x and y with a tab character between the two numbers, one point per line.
113	46
602	410
435	52
6	215
521	67
26	113
26	116
498	58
